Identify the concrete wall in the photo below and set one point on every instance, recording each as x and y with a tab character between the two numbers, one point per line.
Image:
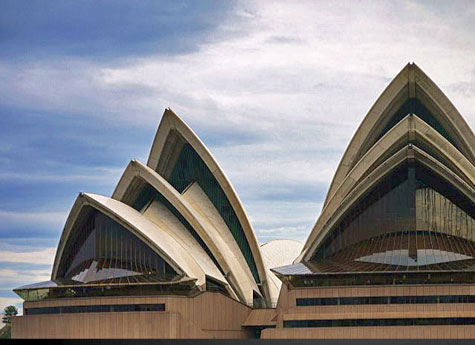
287	310
208	315
391	332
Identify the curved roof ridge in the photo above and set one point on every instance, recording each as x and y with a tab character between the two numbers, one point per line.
138	169
174	132
234	269
450	111
409	151
149	233
410	82
410	129
396	86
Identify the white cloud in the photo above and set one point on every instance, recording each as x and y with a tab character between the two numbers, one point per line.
52	220
294	78
7	301
13	277
297	76
44	256
27	276
107	176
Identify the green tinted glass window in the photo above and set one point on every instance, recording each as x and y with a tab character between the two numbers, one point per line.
190	168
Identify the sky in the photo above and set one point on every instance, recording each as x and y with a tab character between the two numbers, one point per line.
275	89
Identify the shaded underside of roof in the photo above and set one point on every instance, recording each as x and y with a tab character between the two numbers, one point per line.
190	168
438	198
182	159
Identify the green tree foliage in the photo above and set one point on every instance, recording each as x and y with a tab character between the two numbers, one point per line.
8	313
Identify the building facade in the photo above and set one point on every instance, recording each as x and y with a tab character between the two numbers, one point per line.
172	254
392	254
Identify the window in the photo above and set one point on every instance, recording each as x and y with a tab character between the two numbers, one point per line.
379	322
410	218
101	250
302	302
95	309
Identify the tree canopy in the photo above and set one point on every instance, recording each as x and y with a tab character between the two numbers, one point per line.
8	313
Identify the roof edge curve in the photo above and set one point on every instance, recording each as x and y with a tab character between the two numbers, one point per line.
171	121
153	236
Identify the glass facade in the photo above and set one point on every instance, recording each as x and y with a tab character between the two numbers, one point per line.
412	219
382	278
100	249
304	302
420	257
147	194
61	290
380	322
190	168
214	285
387	208
95	309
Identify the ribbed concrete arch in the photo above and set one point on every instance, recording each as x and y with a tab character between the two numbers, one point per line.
277	253
409	153
414	130
431	93
173	133
160	241
164	217
409	130
410	83
237	272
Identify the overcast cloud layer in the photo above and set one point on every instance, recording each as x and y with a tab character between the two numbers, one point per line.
274	89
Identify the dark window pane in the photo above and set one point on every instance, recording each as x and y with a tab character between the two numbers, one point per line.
378	322
97	252
95	309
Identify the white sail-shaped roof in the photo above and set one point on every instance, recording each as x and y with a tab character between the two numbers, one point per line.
176	146
412	120
217	243
166	246
410	84
182	206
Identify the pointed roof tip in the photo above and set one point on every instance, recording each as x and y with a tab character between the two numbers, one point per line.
169	110
86	195
136	163
411	65
403	72
94	195
133	163
174	117
170	113
83	196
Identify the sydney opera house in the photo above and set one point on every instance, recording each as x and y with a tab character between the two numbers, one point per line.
172	253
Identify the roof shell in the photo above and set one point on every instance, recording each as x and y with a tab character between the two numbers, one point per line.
156	238
411	82
366	160
172	133
237	272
